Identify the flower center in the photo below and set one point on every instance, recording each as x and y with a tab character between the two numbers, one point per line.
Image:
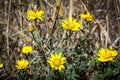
57	62
35	15
71	25
22	65
107	55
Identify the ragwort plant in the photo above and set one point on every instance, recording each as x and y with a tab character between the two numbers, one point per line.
65	50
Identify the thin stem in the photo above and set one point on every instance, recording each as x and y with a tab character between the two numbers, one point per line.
54	23
71	8
115	42
19	1
39	44
107	23
7	30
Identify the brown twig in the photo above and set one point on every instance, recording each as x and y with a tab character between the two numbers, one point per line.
117	15
7	30
71	8
107	22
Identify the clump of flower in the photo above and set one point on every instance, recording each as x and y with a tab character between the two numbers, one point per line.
32	15
56	61
1	65
88	17
27	49
22	64
30	28
106	55
71	24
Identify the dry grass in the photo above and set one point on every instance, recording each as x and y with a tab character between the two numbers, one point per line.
103	32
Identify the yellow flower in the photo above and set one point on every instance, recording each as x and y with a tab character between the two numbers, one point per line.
106	55
1	65
27	49
88	17
57	4
32	15
30	28
57	61
71	24
22	64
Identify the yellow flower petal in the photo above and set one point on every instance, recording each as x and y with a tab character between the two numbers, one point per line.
61	67
30	28
88	17
32	15
22	64
102	60
56	61
70	19
106	55
1	65
27	49
71	24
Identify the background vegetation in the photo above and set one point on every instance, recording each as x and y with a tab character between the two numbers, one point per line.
79	47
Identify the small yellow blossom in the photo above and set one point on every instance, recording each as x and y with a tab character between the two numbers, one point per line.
22	64
88	17
57	61
71	24
57	4
30	28
32	15
106	55
1	65
27	49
